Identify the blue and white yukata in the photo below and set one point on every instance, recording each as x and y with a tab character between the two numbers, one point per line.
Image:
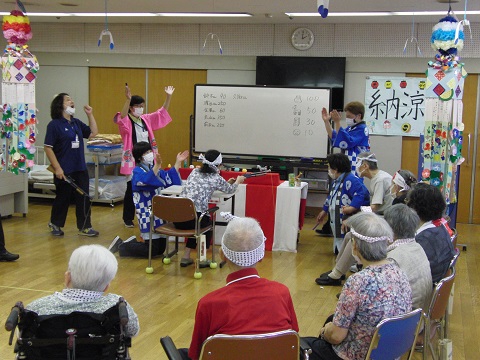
145	185
352	140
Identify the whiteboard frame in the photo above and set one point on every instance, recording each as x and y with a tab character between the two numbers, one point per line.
267	156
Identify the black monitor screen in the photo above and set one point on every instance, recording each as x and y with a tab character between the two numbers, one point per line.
324	72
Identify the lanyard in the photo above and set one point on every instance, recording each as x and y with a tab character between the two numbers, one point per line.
242	278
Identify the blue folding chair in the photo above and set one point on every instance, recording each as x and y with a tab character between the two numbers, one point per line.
395	336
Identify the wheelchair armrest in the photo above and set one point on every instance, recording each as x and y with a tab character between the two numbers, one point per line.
305	349
122	311
170	348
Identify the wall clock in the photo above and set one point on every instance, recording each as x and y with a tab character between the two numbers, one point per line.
302	39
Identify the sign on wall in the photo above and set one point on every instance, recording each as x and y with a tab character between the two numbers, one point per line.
395	105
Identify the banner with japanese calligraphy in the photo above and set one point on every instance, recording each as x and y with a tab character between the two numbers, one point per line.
395	105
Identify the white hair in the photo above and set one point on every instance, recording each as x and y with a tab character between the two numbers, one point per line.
243	241
92	267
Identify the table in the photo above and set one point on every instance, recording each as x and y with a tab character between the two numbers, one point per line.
278	207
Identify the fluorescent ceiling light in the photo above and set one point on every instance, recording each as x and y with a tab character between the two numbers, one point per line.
33	14
381	13
312	14
173	14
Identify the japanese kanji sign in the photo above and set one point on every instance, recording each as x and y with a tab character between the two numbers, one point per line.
395	105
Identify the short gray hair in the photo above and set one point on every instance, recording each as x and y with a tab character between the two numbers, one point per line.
403	220
92	267
243	234
373	226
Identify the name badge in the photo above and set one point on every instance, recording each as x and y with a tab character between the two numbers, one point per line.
76	143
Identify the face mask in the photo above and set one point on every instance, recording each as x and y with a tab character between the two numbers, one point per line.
138	112
70	110
148	158
331	174
350	122
358	171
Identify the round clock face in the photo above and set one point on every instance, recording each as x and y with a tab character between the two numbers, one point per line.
302	39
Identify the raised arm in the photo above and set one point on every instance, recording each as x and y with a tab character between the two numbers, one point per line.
126	105
91	121
169	91
180	158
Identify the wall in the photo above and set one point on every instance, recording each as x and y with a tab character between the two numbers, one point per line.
65	51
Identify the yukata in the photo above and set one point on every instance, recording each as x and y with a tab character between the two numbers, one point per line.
145	185
347	190
352	141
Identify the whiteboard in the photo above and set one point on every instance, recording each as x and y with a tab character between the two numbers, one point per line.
260	120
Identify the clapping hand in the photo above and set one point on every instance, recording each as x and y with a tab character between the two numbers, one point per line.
182	156
128	94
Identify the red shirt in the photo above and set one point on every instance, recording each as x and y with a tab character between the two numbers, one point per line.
248	304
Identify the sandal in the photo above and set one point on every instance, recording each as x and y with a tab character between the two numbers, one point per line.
185	262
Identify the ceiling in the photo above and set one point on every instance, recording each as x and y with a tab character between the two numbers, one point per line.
263	11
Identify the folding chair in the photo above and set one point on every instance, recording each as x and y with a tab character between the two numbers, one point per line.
395	336
283	345
435	314
177	209
79	335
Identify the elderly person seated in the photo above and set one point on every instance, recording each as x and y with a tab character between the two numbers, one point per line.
402	182
409	254
433	234
247	304
379	291
90	271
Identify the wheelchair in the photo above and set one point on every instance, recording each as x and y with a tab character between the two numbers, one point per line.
76	336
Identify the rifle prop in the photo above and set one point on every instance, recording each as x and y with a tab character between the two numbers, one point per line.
70	181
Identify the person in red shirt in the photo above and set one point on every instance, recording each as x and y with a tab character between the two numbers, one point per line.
247	304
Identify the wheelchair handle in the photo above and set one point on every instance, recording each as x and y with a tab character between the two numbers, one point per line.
122	311
12	319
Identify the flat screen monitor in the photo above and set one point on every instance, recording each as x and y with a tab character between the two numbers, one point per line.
323	72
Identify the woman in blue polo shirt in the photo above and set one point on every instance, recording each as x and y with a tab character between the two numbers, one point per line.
64	148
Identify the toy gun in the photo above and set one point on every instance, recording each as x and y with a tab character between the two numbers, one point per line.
70	181
255	174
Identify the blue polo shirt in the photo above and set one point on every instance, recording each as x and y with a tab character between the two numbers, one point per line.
60	135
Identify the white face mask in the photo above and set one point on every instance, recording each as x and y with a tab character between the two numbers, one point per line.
350	122
331	174
148	158
70	110
357	169
138	112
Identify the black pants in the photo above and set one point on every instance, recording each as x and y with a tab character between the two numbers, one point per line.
140	249
188	225
2	237
64	192
321	349
128	206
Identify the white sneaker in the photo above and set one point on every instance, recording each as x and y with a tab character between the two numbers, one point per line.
131	238
116	242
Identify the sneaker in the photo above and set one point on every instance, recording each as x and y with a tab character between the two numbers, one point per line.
88	232
55	230
129	224
131	238
7	256
117	241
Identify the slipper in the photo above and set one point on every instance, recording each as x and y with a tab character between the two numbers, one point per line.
185	262
204	264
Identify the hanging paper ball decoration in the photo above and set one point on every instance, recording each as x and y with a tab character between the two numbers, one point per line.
444	34
16	28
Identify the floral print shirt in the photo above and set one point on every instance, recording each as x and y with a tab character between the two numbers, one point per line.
369	296
200	187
